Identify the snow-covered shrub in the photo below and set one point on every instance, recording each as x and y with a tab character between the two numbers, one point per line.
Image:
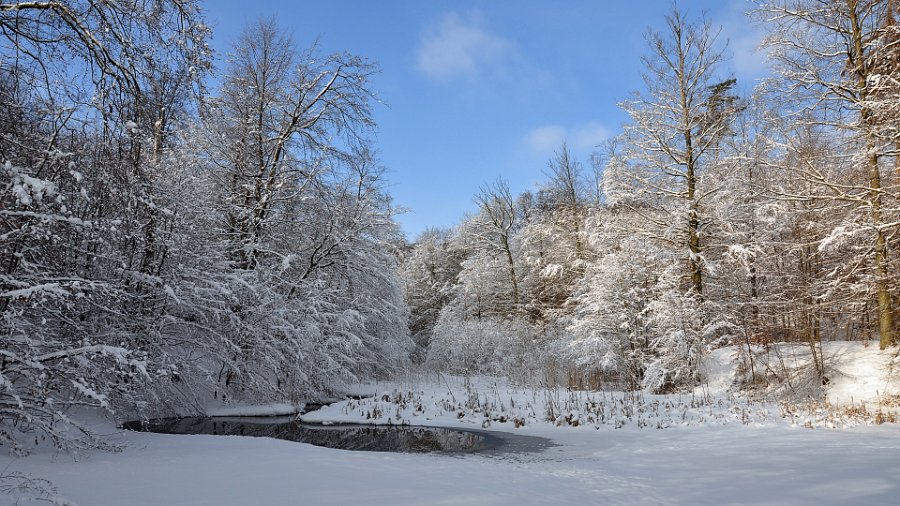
485	346
683	327
610	329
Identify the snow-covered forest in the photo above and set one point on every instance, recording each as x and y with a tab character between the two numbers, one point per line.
181	229
713	219
165	242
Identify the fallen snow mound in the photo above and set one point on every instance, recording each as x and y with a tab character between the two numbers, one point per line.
275	409
854	372
859	373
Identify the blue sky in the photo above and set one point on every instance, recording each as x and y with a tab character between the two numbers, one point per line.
476	89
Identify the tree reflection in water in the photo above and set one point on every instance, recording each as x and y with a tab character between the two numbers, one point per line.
396	438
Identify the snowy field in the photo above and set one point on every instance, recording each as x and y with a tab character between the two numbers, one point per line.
709	465
713	448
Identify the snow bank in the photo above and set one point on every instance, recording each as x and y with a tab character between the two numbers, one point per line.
856	373
859	372
276	409
494	403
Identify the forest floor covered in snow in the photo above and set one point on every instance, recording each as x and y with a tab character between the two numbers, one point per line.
709	447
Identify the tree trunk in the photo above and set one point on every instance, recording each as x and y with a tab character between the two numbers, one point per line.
885	306
858	60
512	272
691	176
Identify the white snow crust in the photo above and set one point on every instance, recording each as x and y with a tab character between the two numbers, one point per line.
273	409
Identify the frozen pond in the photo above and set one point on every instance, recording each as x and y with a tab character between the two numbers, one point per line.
396	438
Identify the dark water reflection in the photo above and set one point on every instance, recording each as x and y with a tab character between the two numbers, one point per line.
397	438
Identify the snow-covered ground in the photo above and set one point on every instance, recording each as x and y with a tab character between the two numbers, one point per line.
857	371
708	465
712	449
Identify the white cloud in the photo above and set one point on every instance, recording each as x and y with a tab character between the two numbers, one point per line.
589	136
460	46
545	139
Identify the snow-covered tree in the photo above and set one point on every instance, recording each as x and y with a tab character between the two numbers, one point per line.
429	271
830	58
161	251
611	328
493	234
553	240
675	132
663	185
297	280
80	287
